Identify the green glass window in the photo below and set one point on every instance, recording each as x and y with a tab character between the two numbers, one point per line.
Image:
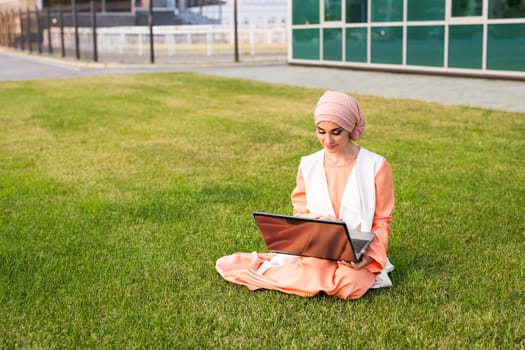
506	47
465	46
356	11
425	10
305	11
466	8
332	10
387	10
333	44
356	39
387	45
425	46
506	8
305	44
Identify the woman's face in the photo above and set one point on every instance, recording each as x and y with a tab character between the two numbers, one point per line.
333	137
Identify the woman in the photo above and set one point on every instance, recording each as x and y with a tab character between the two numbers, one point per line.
343	181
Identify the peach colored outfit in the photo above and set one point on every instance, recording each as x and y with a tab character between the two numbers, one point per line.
306	276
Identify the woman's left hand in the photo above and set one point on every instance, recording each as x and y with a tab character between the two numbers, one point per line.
365	261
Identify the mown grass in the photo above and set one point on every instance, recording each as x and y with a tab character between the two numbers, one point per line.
118	194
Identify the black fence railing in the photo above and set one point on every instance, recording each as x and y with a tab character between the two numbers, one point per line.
82	31
29	29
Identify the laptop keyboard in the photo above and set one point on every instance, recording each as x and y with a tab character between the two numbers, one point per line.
358	244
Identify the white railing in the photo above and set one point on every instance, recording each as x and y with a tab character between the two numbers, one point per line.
184	42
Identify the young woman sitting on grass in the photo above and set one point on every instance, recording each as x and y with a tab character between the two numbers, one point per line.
343	181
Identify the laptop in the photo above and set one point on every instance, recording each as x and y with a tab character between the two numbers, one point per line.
318	238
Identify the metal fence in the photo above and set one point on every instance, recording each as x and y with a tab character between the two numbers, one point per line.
81	32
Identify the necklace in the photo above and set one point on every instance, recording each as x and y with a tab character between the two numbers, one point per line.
344	161
339	163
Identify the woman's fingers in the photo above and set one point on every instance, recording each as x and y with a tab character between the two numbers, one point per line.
365	260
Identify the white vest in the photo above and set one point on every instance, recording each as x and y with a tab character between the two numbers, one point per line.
359	196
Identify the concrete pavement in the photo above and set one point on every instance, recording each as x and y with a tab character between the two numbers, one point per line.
504	95
484	93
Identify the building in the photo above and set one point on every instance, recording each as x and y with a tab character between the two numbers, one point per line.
125	12
168	12
466	37
249	12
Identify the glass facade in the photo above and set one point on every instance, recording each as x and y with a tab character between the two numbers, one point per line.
473	36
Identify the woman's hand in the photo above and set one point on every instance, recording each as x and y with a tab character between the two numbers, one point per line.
316	216
365	261
328	217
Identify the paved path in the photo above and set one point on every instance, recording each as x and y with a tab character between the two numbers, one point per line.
485	93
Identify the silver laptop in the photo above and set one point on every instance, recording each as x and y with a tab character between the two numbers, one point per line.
311	237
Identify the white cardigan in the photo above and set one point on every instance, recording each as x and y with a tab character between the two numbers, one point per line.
359	197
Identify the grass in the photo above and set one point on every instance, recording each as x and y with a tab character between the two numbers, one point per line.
117	195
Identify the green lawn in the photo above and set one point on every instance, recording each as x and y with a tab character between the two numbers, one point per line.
117	195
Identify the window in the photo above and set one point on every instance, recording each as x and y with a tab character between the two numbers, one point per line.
425	45
387	45
465	46
506	47
305	12
332	10
333	44
356	39
425	10
356	11
467	8
506	8
305	44
387	10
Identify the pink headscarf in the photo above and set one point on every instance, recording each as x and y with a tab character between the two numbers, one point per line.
341	109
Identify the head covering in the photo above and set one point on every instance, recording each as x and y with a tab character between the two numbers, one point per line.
341	109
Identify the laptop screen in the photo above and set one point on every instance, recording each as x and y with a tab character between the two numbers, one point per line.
304	236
